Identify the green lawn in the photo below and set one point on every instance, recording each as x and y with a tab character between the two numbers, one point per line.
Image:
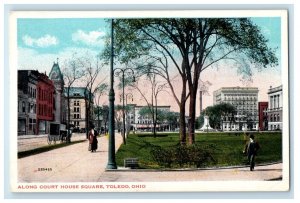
225	149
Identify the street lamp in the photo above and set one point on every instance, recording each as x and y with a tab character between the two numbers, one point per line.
125	114
117	73
111	147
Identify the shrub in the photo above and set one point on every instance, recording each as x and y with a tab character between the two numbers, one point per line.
162	156
181	155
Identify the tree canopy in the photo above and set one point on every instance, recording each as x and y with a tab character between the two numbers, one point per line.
191	45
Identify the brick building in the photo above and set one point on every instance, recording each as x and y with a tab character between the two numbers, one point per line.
263	115
44	103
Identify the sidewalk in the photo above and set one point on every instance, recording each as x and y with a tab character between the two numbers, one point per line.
74	163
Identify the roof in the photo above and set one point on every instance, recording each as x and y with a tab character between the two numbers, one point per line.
56	69
80	92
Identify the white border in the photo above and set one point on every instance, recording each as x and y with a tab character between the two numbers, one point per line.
157	186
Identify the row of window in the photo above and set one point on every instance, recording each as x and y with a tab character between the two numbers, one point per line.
240	98
32	92
22	107
274	117
45	110
274	127
76	116
45	95
76	109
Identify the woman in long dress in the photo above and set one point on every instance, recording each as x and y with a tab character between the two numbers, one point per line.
93	139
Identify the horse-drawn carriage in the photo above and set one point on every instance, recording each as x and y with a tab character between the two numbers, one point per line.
58	132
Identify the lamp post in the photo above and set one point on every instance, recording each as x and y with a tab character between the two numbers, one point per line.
117	73
125	114
111	147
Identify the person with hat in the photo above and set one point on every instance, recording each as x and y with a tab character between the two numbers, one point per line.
252	149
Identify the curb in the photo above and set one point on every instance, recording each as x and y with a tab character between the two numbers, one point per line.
122	169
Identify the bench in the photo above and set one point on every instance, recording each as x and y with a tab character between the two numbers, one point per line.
131	163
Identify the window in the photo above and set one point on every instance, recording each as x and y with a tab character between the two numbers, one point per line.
23	107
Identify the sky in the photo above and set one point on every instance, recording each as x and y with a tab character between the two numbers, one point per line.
44	41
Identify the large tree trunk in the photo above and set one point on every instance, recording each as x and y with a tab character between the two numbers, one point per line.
182	125
192	115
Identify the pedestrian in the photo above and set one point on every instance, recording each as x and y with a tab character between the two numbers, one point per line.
252	149
93	142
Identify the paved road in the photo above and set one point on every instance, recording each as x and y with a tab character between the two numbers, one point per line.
74	163
28	142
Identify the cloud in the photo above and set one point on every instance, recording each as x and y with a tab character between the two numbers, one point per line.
43	42
92	38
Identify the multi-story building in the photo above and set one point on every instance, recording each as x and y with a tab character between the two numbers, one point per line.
262	115
244	99
79	103
59	100
44	102
145	122
275	108
27	93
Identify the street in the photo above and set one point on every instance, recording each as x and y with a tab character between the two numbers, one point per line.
29	142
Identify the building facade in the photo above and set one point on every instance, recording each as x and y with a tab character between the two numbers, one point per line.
79	107
275	108
59	100
262	115
27	93
244	99
45	103
140	122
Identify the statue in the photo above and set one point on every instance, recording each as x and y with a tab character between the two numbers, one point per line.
206	126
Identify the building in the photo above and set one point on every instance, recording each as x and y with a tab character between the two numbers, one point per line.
262	115
44	103
79	105
275	108
145	122
59	100
244	99
27	93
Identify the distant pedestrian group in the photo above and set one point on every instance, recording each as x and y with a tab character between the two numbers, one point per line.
93	142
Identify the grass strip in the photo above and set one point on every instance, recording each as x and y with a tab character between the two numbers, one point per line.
45	149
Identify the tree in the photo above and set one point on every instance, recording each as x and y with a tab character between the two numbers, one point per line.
72	71
218	113
193	45
172	119
100	90
118	119
156	88
105	113
93	83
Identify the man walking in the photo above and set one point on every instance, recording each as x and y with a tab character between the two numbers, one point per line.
252	149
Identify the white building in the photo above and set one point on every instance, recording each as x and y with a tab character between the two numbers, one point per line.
139	122
245	101
275	108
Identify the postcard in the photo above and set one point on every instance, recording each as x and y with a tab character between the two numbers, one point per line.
149	101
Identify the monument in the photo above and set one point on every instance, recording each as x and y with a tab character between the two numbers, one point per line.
206	126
